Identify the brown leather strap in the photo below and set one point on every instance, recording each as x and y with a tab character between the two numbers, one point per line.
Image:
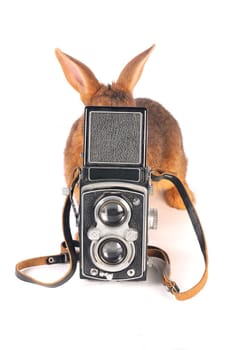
170	284
70	248
22	268
64	258
200	236
69	251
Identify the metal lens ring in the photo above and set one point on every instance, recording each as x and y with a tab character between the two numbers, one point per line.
112	211
112	253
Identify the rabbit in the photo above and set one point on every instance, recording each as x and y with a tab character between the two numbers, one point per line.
165	151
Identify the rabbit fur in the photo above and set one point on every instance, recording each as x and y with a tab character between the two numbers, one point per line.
165	151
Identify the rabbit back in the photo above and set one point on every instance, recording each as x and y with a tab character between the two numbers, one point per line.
165	147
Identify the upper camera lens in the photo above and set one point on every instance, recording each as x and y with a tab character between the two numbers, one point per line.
112	213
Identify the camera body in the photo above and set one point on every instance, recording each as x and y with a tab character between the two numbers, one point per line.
114	193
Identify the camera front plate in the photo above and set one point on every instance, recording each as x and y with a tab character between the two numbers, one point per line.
113	247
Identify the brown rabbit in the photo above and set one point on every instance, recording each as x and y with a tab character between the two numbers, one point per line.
165	147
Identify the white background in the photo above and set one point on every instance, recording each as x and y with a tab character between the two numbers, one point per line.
189	72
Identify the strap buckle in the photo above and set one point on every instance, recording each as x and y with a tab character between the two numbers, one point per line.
62	258
172	287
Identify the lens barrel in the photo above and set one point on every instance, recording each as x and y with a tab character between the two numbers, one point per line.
112	251
112	213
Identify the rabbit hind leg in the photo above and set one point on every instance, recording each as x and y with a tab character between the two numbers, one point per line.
173	198
171	195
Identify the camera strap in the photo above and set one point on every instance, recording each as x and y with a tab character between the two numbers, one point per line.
171	285
70	247
69	250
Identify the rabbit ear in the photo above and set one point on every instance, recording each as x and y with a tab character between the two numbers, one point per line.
133	70
79	76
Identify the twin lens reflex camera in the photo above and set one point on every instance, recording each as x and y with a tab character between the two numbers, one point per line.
114	194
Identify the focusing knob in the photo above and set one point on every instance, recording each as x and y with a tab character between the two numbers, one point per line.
152	218
131	235
93	234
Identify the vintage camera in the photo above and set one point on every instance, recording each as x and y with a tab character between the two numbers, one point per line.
114	191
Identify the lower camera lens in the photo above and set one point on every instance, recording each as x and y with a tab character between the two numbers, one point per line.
112	251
